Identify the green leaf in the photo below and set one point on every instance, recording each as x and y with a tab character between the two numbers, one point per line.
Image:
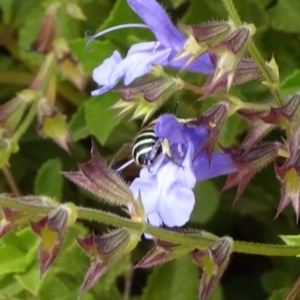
291	84
48	180
291	240
177	280
278	294
23	239
274	280
12	260
207	202
28	33
9	286
122	14
285	15
233	126
99	118
55	288
31	280
90	59
77	125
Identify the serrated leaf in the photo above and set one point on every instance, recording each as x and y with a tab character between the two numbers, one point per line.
99	118
291	84
48	180
207	201
77	125
285	15
90	59
177	280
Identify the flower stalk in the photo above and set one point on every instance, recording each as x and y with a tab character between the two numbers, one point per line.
170	236
254	52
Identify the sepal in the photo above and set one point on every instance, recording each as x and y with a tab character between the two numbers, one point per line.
146	95
69	64
248	163
230	52
47	31
52	231
213	261
7	148
214	120
12	111
52	124
201	38
104	251
163	252
245	71
99	179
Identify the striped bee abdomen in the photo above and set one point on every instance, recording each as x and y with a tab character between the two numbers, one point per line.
146	147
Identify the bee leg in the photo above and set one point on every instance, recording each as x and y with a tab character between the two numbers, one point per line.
166	150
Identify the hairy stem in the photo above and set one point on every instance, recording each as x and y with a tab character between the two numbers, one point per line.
256	55
200	240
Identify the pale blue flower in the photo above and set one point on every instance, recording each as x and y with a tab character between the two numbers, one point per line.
166	188
142	56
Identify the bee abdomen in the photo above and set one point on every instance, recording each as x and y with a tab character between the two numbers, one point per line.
145	147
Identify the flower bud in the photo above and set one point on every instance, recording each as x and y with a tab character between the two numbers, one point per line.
69	64
201	38
230	51
105	251
52	124
146	95
47	31
45	80
75	11
214	119
246	70
213	261
99	179
163	252
12	111
248	163
7	148
52	231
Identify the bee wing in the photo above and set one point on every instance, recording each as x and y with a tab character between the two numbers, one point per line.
122	154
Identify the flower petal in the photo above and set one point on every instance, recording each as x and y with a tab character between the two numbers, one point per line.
158	21
220	164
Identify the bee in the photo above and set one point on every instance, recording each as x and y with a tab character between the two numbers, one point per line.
146	146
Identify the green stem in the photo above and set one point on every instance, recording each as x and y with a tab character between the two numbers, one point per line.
197	240
25	124
254	52
232	12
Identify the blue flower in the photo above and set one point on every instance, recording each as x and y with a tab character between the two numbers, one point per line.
142	56
166	189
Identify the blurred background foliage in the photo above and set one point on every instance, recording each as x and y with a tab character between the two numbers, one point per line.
35	167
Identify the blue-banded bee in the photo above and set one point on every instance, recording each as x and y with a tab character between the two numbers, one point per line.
146	146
